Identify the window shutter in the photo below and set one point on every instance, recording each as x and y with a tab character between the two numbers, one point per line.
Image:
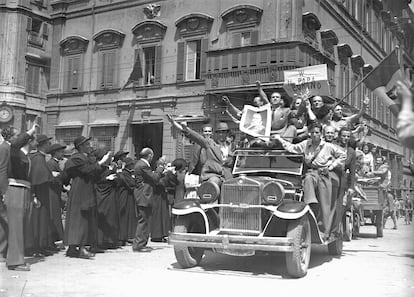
254	37
236	40
203	58
235	60
75	73
68	74
157	79
110	69
36	80
101	69
29	24
180	61
45	31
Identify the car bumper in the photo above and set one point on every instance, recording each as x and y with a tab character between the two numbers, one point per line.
232	242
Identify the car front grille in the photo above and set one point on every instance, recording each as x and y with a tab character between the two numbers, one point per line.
239	216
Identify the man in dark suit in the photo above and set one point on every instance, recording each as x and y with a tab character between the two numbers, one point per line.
55	190
146	179
17	199
40	177
198	154
4	183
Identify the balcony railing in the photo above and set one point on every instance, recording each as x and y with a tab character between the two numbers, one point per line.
243	66
35	39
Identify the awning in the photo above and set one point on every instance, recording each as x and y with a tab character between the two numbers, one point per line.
104	123
69	124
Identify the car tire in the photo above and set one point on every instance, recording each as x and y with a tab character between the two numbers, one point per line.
357	225
379	222
297	262
187	257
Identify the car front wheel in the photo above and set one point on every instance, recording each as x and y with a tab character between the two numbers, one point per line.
297	262
187	257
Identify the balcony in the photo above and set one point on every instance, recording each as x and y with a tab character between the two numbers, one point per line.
238	67
35	39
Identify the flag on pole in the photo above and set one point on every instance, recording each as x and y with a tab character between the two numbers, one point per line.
381	80
136	73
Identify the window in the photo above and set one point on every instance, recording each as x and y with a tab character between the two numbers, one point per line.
108	69
193	58
33	79
104	137
108	43
73	49
149	68
73	73
66	136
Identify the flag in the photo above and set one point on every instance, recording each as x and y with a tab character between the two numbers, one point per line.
136	73
381	80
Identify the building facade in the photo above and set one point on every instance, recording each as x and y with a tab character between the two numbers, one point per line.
25	46
190	53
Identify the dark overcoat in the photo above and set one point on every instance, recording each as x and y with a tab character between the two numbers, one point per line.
81	228
127	215
146	180
55	202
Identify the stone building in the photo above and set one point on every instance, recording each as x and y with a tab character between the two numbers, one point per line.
25	44
190	53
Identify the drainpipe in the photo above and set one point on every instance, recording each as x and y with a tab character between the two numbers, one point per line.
90	72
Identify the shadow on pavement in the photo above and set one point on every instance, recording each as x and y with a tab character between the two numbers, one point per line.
262	265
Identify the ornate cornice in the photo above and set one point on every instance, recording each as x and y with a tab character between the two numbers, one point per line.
149	31
242	16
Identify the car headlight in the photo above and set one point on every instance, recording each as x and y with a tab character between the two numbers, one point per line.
273	193
208	192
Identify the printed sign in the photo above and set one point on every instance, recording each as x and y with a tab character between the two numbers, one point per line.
314	78
256	121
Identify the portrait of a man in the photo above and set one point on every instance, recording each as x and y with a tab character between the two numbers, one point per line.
255	121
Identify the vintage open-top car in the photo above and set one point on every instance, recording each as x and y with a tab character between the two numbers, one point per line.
259	210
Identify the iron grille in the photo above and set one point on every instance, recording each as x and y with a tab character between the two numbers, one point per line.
239	217
372	195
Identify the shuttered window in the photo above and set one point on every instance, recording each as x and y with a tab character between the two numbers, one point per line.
108	69
33	79
72	73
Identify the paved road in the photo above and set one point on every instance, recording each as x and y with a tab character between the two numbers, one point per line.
368	267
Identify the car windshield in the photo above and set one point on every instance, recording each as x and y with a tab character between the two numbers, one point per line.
248	161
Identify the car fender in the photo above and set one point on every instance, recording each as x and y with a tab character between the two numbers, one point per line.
291	210
190	206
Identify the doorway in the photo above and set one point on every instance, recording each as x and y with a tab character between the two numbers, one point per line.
148	135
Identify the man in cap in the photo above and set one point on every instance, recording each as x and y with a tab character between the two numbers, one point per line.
41	176
146	179
226	147
56	151
198	154
17	197
81	225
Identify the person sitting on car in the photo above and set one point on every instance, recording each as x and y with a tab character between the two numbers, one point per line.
320	158
213	169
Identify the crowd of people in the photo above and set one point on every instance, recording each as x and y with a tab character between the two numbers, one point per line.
115	200
112	200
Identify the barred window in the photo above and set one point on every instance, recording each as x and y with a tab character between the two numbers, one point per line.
104	137
66	136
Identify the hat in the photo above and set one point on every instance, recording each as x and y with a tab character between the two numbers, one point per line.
99	153
42	138
55	147
222	126
129	163
80	140
119	154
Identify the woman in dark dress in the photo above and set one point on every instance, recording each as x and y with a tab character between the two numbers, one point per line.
161	219
127	216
